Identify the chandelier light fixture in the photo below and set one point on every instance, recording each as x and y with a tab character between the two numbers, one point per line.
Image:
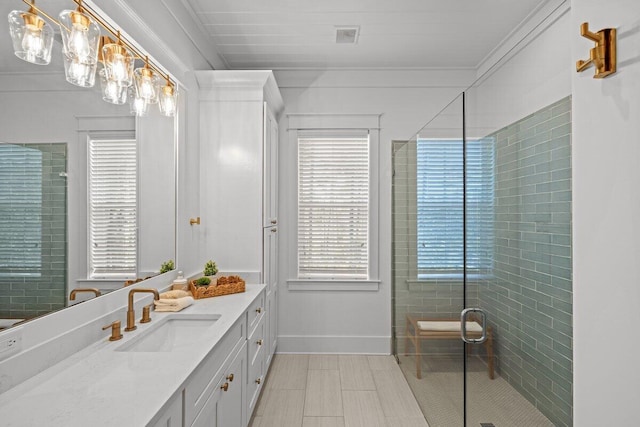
84	47
112	91
168	101
118	63
32	37
147	83
139	107
80	39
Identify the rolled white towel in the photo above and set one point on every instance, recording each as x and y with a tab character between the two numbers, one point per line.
173	304
175	294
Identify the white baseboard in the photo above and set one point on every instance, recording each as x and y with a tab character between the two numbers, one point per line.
334	344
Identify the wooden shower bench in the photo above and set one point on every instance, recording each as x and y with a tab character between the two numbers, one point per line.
444	329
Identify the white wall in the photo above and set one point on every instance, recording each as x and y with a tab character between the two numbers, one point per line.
533	78
352	321
606	267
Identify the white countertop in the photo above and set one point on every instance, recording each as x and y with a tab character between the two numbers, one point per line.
102	387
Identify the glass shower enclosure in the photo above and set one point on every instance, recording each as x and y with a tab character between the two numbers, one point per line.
482	265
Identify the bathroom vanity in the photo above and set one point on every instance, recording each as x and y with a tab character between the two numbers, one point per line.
202	366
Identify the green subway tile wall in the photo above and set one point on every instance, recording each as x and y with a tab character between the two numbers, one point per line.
529	299
27	296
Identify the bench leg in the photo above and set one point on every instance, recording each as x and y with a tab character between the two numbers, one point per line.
418	359
489	346
406	339
416	345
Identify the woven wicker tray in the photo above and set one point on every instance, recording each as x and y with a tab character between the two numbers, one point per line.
226	285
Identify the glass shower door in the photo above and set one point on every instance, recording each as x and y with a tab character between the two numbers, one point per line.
428	264
518	260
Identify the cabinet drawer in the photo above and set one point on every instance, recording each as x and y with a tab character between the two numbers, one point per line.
205	377
255	312
255	380
257	342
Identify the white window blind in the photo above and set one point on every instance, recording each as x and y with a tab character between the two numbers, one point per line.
440	198
20	210
112	208
333	208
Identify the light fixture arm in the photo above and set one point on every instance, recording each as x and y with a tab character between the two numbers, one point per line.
33	7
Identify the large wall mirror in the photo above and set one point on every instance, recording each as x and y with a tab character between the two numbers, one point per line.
87	190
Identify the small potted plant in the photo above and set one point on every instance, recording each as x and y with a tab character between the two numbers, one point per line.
203	281
210	269
167	266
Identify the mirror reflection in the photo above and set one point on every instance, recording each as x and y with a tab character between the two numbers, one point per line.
87	190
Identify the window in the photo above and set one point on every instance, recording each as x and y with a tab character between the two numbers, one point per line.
333	208
112	208
21	210
440	206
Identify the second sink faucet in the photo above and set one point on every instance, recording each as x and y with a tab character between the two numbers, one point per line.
131	315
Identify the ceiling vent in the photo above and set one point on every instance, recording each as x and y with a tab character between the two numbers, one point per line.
347	34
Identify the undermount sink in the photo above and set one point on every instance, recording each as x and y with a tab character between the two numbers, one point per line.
172	332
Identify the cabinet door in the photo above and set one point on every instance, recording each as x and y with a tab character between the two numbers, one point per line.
172	416
270	172
231	408
208	416
270	258
271	326
273	323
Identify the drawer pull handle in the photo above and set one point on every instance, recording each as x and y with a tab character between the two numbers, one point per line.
259	310
274	230
225	386
274	221
230	378
259	380
259	342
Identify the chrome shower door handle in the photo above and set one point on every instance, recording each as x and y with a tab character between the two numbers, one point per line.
463	326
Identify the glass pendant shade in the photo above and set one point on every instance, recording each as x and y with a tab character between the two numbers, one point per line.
139	107
112	91
168	100
118	63
80	39
147	84
32	37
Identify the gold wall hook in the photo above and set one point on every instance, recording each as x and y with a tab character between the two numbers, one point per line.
603	55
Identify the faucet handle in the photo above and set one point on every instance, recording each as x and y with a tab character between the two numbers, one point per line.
116	333
146	313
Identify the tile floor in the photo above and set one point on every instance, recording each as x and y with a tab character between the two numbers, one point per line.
440	392
336	391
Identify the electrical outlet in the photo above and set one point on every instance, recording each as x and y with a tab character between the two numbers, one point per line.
10	342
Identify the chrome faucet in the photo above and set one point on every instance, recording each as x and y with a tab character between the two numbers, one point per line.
131	315
72	295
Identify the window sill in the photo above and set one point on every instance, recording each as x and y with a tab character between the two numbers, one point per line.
333	285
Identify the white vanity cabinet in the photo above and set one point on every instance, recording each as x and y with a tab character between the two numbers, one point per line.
257	348
225	405
171	416
239	113
205	390
238	165
270	167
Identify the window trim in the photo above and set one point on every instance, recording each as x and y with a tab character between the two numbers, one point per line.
345	125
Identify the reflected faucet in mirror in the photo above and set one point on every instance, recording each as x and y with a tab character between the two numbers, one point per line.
72	295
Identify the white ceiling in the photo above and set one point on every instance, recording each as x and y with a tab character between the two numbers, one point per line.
299	34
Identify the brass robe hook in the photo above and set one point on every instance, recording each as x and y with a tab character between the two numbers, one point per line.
603	55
